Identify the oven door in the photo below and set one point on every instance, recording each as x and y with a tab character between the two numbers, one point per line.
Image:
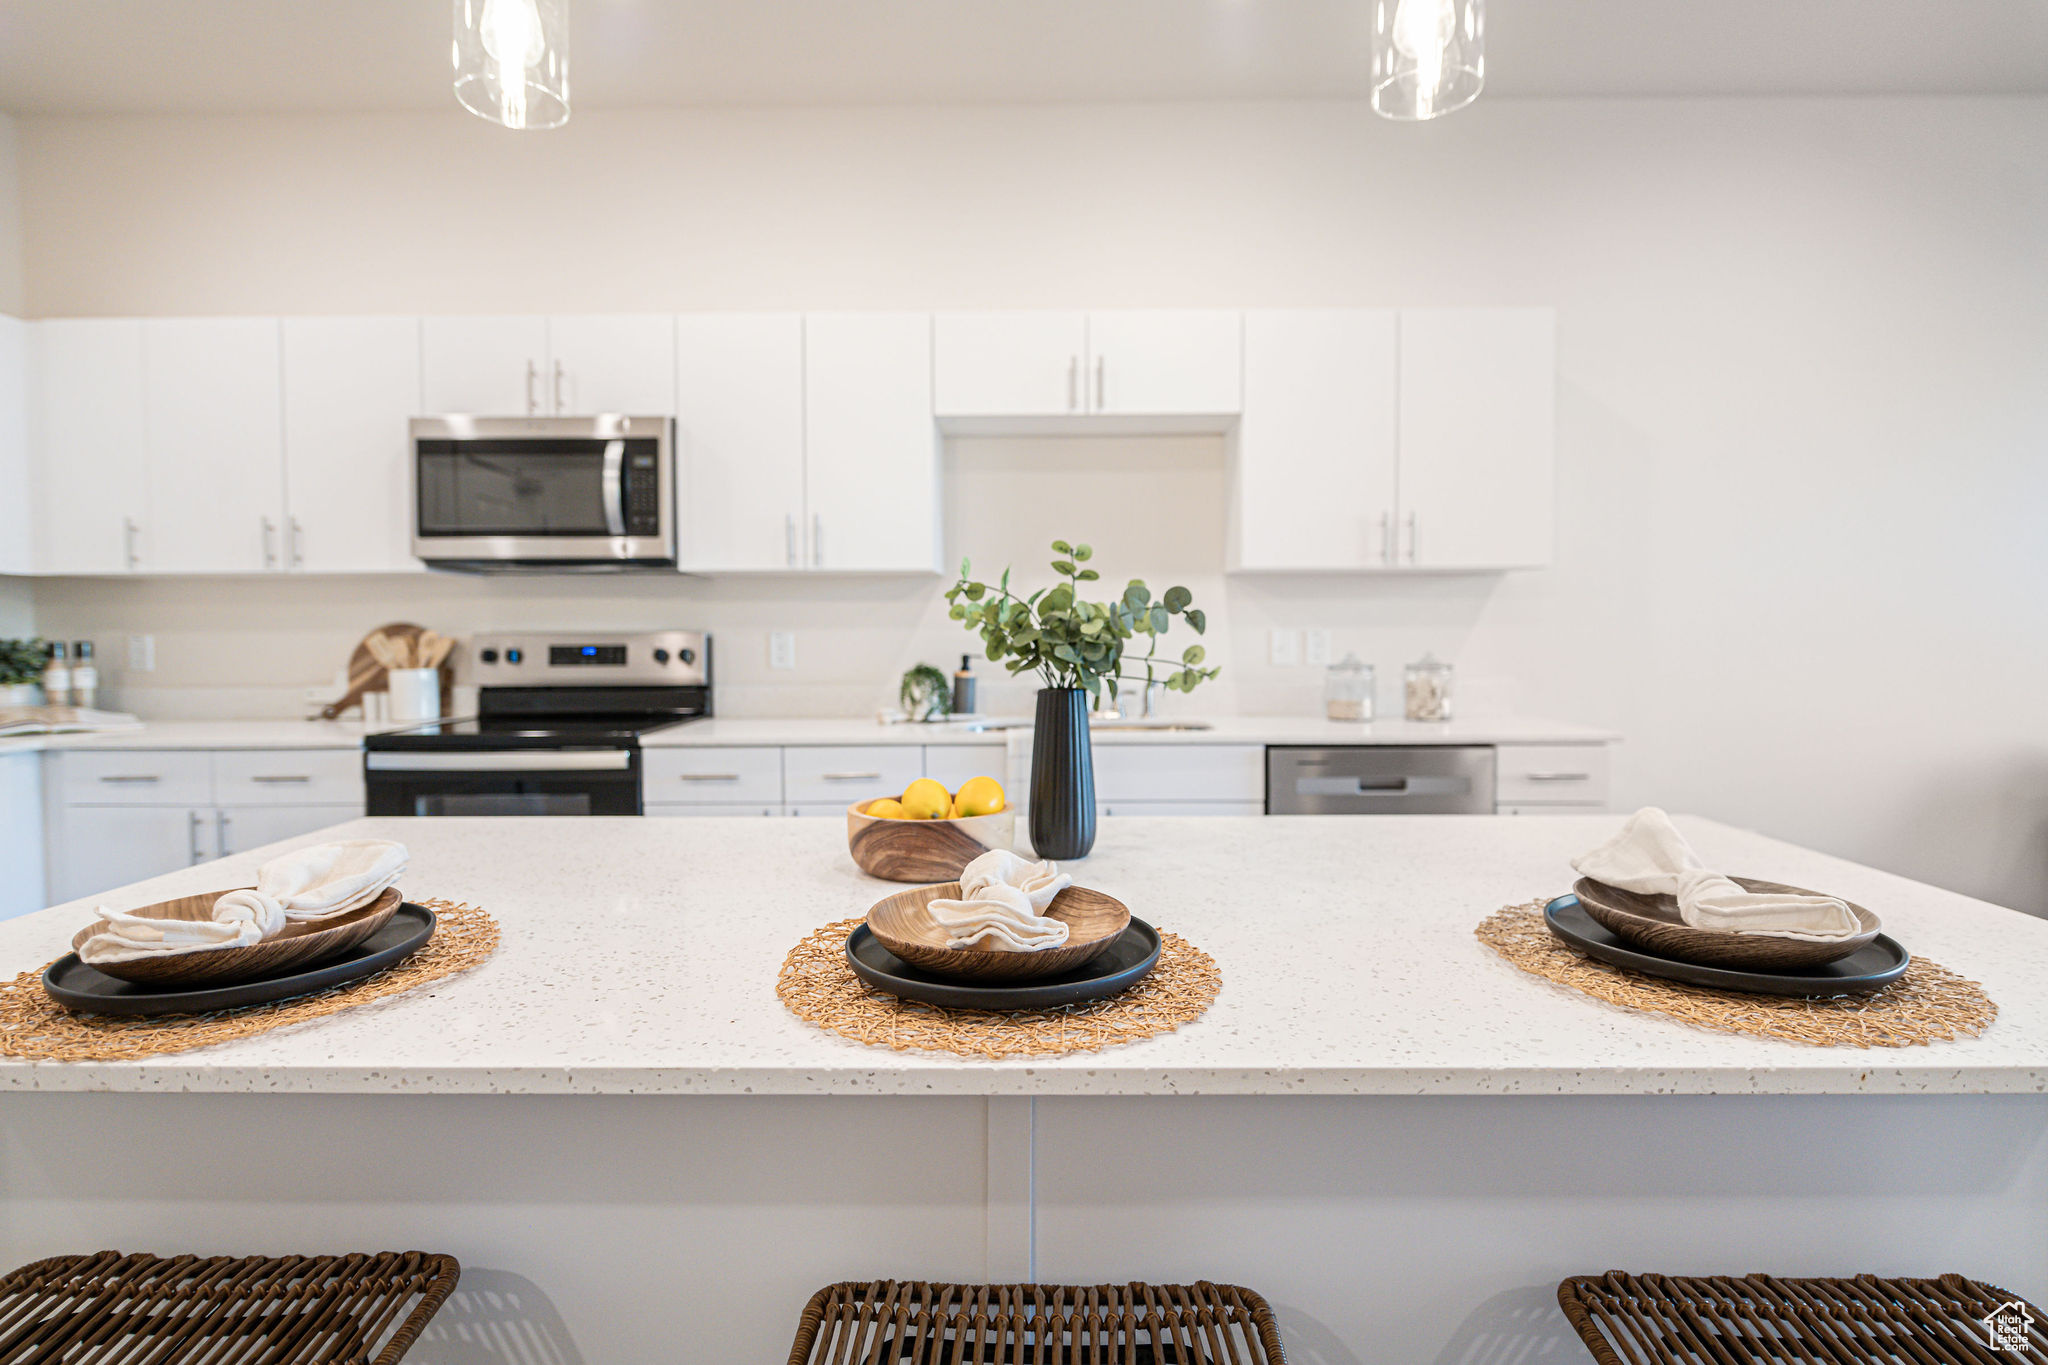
556	492
516	782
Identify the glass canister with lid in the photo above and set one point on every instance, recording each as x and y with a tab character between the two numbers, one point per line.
1428	689
1347	690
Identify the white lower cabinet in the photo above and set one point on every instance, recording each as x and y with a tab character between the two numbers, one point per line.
1555	777
711	778
844	774
953	764
100	847
1180	772
237	829
1181	808
673	809
21	834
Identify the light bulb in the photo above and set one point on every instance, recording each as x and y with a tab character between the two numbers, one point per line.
511	33
1428	56
511	60
1422	30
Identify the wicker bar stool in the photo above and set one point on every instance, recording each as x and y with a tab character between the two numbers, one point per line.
224	1310
1042	1324
1629	1319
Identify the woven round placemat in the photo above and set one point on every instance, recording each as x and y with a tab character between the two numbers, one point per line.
1928	1004
36	1027
821	989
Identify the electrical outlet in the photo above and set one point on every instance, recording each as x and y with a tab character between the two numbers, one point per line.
142	654
1286	648
1315	648
782	649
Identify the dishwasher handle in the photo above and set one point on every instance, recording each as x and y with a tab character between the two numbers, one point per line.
1382	786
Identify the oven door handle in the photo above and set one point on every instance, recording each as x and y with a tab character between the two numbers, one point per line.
502	761
614	491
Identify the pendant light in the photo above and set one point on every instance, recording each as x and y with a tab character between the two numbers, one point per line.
1428	56
512	61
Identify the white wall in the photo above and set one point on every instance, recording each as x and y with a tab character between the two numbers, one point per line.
1802	415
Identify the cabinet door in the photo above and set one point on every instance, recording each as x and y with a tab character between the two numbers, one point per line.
21	834
1316	445
1166	362
213	390
621	362
1478	403
1008	364
350	384
486	366
237	829
86	445
871	450
102	847
740	440
16	550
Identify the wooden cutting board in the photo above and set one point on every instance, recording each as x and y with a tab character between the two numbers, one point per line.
365	674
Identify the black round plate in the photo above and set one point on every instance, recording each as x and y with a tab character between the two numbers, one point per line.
76	986
1117	968
1871	967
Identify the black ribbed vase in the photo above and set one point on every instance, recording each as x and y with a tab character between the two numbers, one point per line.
1062	775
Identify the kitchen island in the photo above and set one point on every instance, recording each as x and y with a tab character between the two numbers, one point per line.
1400	1139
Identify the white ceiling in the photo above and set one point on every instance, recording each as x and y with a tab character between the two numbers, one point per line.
106	56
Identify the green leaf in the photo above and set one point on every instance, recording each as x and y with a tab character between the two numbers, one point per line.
1061	547
975	591
1137	596
1065	566
1198	619
1006	578
965	567
1177	599
1083	553
1058	600
1024	635
1067	652
1088	575
1192	655
1094	627
958	612
1160	622
995	650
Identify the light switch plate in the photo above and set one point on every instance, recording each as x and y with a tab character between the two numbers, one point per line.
1315	648
142	654
782	649
1286	648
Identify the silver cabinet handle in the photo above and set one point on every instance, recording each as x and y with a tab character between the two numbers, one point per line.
297	543
789	537
1386	537
195	820
1411	537
1073	382
1557	777
709	777
532	392
561	404
129	534
269	543
817	540
280	777
1100	386
222	825
130	777
850	777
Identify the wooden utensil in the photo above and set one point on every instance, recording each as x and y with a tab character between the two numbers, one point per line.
924	850
366	673
1653	924
299	944
904	925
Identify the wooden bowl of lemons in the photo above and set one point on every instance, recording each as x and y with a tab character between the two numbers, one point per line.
928	834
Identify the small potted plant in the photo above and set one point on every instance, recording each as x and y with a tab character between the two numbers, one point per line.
21	671
926	694
1077	648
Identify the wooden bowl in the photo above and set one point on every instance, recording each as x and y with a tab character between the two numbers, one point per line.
1652	924
298	945
924	850
903	926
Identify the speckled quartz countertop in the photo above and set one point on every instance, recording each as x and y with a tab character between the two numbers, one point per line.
205	734
640	956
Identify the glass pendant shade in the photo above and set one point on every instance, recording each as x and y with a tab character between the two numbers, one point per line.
512	61
1428	56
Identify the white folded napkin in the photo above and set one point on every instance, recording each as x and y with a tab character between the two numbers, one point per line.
1041	881
129	937
320	882
1002	905
1650	857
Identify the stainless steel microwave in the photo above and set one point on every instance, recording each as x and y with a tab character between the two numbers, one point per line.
503	494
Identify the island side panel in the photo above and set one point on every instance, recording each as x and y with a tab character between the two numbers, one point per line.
590	1229
1422	1229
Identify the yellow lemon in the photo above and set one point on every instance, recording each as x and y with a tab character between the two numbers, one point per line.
887	808
926	799
979	796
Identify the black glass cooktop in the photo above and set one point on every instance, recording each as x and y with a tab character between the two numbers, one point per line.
526	732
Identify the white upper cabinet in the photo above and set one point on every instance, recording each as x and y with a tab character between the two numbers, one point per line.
350	384
1009	364
16	549
871	452
622	362
1165	362
1315	471
212	389
739	382
486	366
86	444
1478	424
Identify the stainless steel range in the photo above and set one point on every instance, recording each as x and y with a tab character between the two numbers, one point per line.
557	731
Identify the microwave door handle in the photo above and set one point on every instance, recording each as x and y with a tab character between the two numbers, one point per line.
614	491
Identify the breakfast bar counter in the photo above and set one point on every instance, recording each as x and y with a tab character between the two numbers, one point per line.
1400	1139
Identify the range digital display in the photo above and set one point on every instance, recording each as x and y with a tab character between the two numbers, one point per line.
601	656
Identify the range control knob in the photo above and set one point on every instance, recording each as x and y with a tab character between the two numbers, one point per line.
489	656
513	656
687	656
661	656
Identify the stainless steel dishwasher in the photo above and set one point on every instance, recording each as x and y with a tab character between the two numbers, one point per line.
1416	779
